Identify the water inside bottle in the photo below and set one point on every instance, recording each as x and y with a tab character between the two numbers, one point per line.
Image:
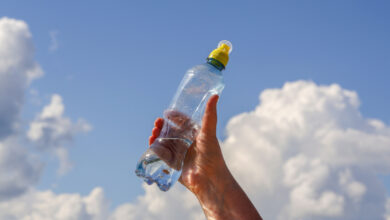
154	170
162	162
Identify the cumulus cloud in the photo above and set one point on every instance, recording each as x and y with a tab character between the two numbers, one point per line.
46	205
51	131
19	170
178	203
305	152
316	154
17	69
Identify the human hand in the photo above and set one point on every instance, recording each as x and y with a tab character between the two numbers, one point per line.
203	164
204	171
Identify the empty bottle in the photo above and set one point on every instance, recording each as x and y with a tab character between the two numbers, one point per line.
162	162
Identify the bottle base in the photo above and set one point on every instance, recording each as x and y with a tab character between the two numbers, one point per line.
153	170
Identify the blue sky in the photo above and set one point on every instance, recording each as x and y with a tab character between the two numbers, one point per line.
117	64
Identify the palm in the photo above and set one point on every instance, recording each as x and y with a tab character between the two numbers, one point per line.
201	161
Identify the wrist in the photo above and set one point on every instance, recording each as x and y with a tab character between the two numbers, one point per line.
215	178
215	195
223	198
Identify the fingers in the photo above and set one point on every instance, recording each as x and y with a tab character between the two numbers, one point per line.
178	118
181	123
155	132
209	121
158	124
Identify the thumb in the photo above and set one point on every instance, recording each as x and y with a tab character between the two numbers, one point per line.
209	121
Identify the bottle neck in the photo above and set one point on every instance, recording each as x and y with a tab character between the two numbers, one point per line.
215	63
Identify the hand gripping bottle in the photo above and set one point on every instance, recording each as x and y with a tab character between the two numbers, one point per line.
163	160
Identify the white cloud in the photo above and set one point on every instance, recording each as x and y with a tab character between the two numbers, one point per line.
17	69
19	170
178	203
305	152
306	177
315	140
46	205
52	131
354	189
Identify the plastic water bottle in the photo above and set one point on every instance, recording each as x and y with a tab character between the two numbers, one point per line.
162	162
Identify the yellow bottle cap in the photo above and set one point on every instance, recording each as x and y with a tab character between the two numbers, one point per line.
222	52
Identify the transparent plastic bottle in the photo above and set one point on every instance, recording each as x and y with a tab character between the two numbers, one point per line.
162	162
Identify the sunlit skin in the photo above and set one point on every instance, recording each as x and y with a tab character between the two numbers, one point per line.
206	175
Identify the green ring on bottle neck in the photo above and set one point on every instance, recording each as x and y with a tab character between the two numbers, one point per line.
215	63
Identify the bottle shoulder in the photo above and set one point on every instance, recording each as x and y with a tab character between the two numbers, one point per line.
204	68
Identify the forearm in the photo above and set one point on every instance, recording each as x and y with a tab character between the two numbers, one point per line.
224	199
